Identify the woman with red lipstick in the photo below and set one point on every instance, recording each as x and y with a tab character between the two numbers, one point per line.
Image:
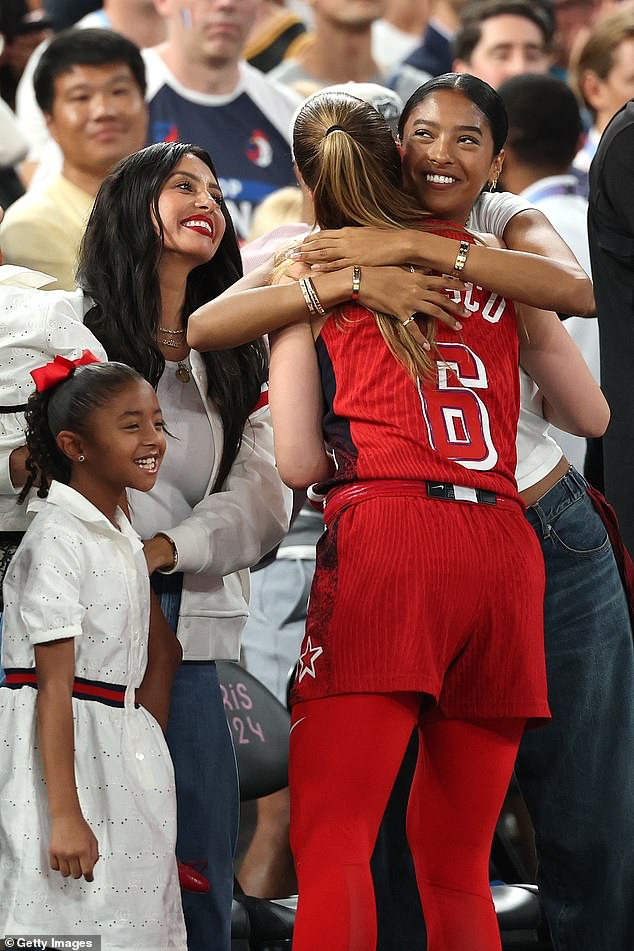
158	244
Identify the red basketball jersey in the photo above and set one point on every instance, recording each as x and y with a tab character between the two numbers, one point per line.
459	426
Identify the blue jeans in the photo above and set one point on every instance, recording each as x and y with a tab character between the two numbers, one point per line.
207	796
577	773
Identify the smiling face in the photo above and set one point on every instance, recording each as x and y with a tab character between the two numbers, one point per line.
190	209
124	441
98	116
448	154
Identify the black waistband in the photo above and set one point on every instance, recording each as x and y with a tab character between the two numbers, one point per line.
446	490
15	408
11	538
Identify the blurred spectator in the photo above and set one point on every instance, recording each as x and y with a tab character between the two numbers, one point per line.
200	90
611	235
434	56
399	31
13	144
544	131
12	149
603	75
23	30
339	48
498	39
574	19
281	207
273	36
65	13
135	19
90	86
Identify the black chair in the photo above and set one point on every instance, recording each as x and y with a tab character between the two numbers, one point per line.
260	727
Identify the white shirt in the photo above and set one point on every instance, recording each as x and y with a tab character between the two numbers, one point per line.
583	159
35	326
77	575
557	198
390	46
184	474
537	451
13	144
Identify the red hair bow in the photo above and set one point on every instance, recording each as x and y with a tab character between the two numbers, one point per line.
60	369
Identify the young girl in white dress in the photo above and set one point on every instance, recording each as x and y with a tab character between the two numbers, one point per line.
87	800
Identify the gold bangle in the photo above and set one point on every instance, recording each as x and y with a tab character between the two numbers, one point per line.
309	288
462	255
174	564
303	283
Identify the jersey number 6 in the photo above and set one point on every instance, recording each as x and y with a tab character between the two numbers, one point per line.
457	420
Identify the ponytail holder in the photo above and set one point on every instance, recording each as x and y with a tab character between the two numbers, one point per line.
60	369
334	128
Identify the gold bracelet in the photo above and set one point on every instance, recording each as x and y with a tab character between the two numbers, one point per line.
307	297
462	255
317	305
356	283
174	564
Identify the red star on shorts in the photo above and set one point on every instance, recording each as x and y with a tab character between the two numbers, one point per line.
308	667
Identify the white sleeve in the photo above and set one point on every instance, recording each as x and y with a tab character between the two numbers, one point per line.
493	211
13	144
30	117
236	527
46	577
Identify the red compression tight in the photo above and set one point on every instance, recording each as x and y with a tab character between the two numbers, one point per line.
345	753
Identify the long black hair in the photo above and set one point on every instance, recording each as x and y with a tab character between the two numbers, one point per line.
67	405
119	269
476	91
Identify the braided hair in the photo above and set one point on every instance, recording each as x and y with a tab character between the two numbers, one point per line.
67	405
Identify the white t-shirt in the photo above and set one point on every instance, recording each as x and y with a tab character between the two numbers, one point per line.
13	144
537	451
184	474
557	199
390	46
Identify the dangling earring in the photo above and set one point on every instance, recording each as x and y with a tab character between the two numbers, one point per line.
494	184
81	458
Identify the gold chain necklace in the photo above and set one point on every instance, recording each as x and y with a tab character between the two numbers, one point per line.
181	373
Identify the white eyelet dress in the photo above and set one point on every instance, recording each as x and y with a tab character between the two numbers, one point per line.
75	575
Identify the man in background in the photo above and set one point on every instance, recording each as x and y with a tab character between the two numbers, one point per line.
90	86
498	39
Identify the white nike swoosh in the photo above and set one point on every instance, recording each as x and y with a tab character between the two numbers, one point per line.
295	724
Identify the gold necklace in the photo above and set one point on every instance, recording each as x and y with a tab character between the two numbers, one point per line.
182	373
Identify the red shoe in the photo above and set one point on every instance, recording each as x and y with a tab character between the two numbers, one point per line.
190	879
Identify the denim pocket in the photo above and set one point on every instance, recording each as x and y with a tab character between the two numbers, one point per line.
579	530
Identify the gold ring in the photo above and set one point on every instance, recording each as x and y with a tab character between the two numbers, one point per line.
404	323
